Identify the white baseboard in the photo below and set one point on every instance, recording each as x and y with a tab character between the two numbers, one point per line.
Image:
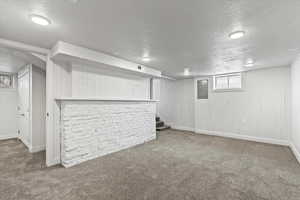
35	149
8	136
244	137
235	136
30	148
183	128
55	161
26	144
295	151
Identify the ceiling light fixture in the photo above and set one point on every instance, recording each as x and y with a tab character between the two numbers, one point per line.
73	1
249	63
146	59
237	34
186	71
40	20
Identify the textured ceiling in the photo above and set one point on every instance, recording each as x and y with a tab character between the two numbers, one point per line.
10	61
176	34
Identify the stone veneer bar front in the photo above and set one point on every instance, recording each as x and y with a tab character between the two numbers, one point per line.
91	128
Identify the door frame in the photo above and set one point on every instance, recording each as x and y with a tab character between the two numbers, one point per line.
23	72
42	54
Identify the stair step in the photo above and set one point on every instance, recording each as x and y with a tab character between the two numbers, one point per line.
162	128
160	124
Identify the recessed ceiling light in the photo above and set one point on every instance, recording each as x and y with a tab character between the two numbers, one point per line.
73	1
237	34
249	63
146	59
186	71
40	20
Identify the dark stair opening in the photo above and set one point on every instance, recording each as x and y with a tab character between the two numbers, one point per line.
160	125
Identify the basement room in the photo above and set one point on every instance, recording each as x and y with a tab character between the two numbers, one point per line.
152	100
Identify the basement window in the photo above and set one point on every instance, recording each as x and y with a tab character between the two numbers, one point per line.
6	81
227	82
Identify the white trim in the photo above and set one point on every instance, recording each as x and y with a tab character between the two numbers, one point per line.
39	56
244	137
234	136
228	90
183	128
23	47
8	89
214	89
295	151
63	51
37	149
26	144
168	77
53	162
8	136
51	158
31	149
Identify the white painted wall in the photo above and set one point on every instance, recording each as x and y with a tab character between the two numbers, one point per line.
58	84
8	113
184	107
261	111
295	93
155	89
96	82
165	92
176	105
38	107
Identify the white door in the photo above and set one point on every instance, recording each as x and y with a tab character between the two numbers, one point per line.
24	108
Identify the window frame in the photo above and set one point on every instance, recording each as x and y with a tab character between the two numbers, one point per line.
228	89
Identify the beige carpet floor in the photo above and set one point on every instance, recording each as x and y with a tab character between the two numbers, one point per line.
177	165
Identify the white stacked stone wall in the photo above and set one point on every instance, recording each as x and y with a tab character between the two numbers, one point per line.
93	129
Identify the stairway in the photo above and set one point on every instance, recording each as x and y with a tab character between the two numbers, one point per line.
160	125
